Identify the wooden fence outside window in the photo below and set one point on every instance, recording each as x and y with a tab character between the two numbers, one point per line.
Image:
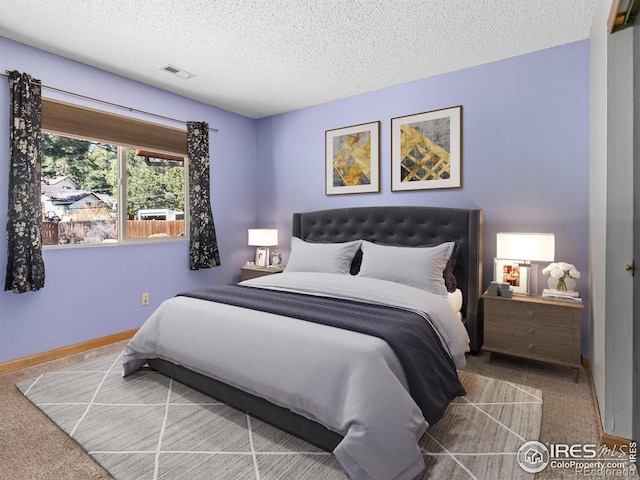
65	233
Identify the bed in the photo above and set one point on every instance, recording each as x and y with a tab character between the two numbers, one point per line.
374	428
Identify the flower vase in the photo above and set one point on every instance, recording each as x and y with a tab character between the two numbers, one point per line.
567	284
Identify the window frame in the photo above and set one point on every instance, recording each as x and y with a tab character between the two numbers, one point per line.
73	121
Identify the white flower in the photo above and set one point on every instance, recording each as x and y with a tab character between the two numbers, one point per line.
561	270
565	266
557	273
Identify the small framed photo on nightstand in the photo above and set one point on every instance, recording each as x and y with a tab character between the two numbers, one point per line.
510	271
261	256
276	259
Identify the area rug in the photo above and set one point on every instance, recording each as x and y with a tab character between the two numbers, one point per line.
147	426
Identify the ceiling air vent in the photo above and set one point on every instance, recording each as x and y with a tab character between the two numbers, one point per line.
178	72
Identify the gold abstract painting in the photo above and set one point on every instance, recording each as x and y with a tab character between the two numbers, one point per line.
352	159
423	158
426	150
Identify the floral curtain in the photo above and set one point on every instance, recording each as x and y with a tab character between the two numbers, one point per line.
203	245
25	266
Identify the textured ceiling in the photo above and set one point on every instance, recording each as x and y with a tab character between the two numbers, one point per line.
263	57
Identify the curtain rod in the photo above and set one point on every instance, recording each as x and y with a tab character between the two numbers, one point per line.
130	109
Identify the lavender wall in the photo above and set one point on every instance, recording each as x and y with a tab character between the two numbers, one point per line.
525	159
95	291
525	150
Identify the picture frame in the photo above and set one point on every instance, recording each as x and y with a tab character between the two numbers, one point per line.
426	150
275	259
352	159
261	257
512	272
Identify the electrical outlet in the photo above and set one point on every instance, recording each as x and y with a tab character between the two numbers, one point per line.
144	299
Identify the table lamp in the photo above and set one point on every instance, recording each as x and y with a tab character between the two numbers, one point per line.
262	238
522	249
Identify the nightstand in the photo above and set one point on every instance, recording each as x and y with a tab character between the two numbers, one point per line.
247	272
534	328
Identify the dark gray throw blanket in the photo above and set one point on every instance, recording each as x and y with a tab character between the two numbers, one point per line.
430	371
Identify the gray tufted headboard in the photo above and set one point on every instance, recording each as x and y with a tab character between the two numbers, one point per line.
410	226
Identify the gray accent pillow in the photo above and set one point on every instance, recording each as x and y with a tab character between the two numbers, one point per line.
420	267
321	257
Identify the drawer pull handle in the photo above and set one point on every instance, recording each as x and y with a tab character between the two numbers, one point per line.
529	313
530	346
531	330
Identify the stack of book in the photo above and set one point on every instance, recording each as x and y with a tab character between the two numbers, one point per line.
562	296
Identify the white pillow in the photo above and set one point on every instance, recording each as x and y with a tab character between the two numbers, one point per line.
420	267
455	300
321	257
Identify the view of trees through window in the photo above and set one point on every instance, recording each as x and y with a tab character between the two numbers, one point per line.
81	193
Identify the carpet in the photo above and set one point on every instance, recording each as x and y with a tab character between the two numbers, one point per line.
147	426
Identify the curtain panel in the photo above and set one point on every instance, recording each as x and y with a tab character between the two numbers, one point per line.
25	265
203	245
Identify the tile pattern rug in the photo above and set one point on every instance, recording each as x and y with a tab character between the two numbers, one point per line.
147	426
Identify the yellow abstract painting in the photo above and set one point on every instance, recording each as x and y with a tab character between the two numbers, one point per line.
352	159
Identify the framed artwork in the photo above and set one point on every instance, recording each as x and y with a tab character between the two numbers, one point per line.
352	159
426	150
511	272
261	256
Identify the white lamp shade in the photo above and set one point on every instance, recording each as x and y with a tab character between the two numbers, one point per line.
263	237
532	247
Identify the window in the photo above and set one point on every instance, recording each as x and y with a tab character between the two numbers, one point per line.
101	190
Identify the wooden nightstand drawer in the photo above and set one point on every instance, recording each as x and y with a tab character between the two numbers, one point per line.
251	271
530	311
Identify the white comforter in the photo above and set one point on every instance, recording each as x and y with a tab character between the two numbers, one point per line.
350	382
